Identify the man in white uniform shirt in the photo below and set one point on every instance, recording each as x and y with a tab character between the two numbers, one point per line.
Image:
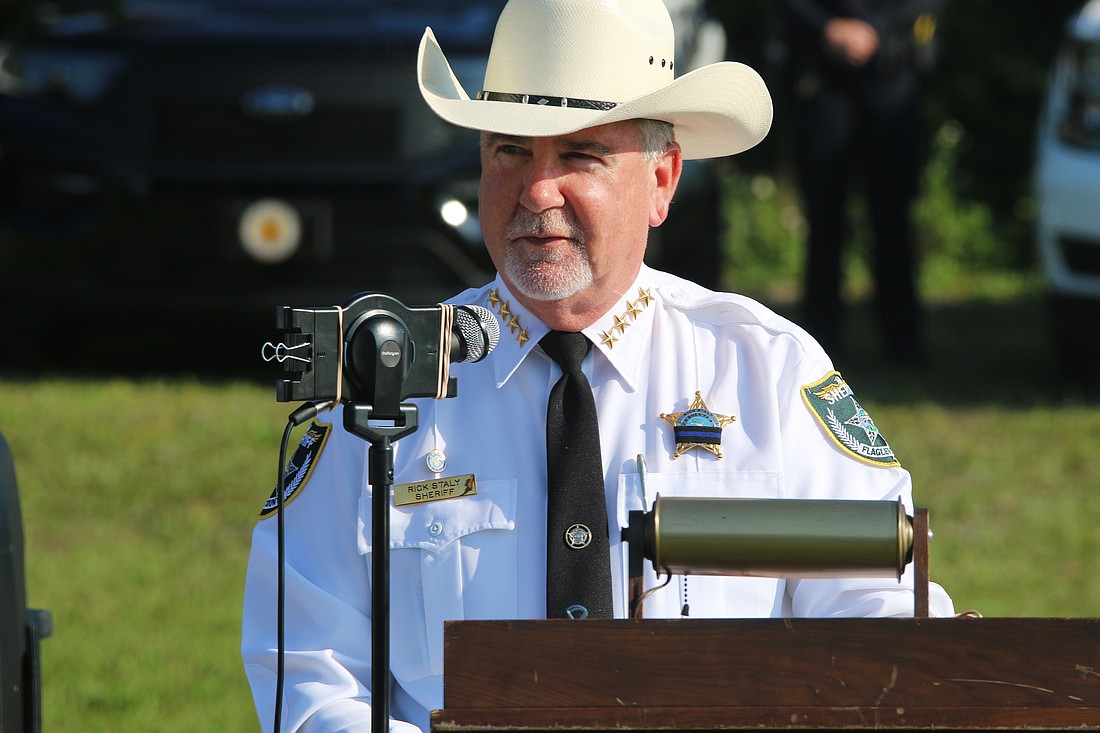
571	183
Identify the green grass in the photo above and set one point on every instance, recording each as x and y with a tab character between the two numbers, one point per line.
1005	461
1012	499
138	502
139	496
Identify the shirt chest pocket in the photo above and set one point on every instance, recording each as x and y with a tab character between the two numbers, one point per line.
452	559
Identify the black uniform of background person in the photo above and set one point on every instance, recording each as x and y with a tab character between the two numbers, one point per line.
849	116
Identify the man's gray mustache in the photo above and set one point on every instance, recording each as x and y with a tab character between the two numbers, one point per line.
540	225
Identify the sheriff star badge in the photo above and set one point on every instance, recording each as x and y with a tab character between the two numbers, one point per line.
697	427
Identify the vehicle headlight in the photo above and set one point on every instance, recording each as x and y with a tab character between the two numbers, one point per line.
457	207
454	212
1080	124
82	77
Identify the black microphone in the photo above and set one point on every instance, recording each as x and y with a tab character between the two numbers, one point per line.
375	350
475	333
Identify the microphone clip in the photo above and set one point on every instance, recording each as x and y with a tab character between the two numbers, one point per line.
373	351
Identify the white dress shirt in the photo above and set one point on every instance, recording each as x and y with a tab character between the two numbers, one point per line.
482	556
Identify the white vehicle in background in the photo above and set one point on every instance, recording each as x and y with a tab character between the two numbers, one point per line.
1067	190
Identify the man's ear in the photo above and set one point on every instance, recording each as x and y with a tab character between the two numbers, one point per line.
667	177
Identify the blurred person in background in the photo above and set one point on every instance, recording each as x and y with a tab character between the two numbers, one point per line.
853	70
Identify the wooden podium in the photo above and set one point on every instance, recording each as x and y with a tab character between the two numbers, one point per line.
772	674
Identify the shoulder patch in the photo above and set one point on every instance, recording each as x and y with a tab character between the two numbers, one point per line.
299	467
845	421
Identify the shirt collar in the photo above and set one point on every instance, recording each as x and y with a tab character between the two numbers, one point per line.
520	329
621	334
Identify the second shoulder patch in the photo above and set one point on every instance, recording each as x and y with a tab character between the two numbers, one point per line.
299	467
845	421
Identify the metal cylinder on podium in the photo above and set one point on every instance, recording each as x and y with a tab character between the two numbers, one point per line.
788	538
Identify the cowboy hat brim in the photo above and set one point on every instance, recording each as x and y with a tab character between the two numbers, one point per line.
717	110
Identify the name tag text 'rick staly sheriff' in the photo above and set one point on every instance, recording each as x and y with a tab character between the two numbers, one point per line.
450	487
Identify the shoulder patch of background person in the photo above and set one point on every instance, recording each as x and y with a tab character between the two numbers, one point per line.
299	467
845	421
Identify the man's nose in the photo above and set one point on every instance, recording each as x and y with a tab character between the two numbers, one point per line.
542	188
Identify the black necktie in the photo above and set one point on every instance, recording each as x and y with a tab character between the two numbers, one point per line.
578	570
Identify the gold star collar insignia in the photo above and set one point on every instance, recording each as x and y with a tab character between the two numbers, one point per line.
609	337
697	427
510	319
621	323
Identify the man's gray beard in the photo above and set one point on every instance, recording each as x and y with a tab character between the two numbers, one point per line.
544	274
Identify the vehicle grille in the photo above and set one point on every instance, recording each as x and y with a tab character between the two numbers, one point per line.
220	133
364	112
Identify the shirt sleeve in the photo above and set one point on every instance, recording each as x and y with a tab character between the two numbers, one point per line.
327	602
841	454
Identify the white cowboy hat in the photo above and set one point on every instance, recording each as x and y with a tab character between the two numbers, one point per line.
558	66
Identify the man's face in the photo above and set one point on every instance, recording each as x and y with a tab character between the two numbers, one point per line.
568	216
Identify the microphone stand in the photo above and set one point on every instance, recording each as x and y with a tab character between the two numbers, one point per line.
377	355
380	476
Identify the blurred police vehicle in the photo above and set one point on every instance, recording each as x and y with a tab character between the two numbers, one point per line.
1067	189
218	154
223	155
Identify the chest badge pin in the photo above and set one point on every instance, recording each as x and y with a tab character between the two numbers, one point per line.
697	427
436	461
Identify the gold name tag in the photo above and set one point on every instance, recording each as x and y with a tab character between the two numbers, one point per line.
435	489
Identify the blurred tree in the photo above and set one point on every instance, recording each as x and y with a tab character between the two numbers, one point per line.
991	77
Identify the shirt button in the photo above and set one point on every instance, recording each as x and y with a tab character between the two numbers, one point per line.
435	529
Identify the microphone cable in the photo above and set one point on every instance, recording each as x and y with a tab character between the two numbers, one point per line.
305	412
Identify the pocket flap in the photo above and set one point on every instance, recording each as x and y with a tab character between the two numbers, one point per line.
435	524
